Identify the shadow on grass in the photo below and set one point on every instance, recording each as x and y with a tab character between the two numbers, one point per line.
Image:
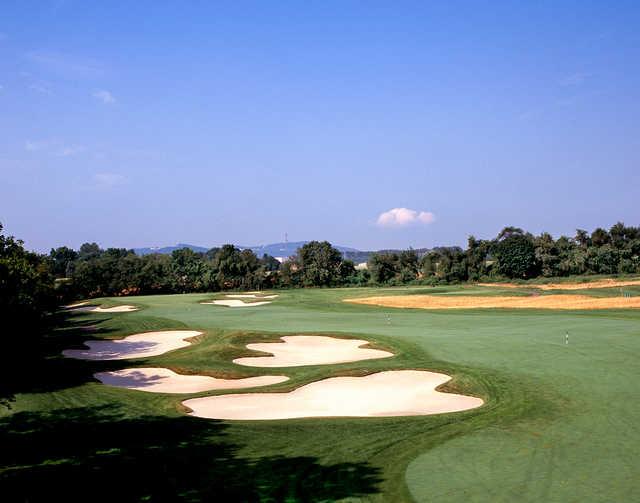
96	454
37	365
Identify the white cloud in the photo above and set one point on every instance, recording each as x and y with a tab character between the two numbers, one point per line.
401	217
104	96
107	180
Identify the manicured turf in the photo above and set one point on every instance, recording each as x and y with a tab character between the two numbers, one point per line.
560	423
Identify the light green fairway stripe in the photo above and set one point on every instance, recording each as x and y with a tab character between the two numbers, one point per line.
552	465
573	409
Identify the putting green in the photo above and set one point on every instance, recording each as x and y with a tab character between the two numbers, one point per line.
558	424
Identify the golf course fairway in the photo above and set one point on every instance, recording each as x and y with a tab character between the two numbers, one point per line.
558	423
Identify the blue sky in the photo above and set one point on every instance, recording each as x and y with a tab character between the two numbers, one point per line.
370	124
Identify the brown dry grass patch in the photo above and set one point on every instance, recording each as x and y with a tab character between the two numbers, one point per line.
601	283
478	302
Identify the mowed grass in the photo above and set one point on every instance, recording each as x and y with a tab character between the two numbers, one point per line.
560	422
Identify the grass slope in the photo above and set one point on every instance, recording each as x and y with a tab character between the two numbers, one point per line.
558	425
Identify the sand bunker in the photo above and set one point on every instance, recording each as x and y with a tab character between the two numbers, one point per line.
116	309
161	380
77	304
249	296
391	393
236	303
299	350
82	306
603	283
134	346
477	302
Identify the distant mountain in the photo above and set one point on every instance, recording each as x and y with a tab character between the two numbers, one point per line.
363	256
168	249
286	249
277	250
274	249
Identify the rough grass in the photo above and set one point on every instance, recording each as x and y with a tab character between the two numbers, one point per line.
559	422
584	284
571	302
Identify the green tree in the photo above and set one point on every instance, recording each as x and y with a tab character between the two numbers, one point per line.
603	259
515	253
600	237
189	271
582	238
89	251
154	275
289	274
27	299
546	254
477	255
319	264
232	268
383	267
450	264
408	266
429	264
269	263
62	259
347	272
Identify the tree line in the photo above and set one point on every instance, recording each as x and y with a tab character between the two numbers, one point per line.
512	254
515	254
32	284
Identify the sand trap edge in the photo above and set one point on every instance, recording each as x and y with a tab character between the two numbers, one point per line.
273	360
475	402
178	383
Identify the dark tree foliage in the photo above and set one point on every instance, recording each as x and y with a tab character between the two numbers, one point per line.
27	299
445	264
408	266
290	275
189	273
95	272
89	251
478	252
62	260
346	270
270	263
516	254
383	267
319	264
600	237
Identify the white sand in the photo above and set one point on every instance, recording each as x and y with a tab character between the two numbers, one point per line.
116	309
134	346
249	296
298	350
77	304
162	380
236	303
391	393
82	306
